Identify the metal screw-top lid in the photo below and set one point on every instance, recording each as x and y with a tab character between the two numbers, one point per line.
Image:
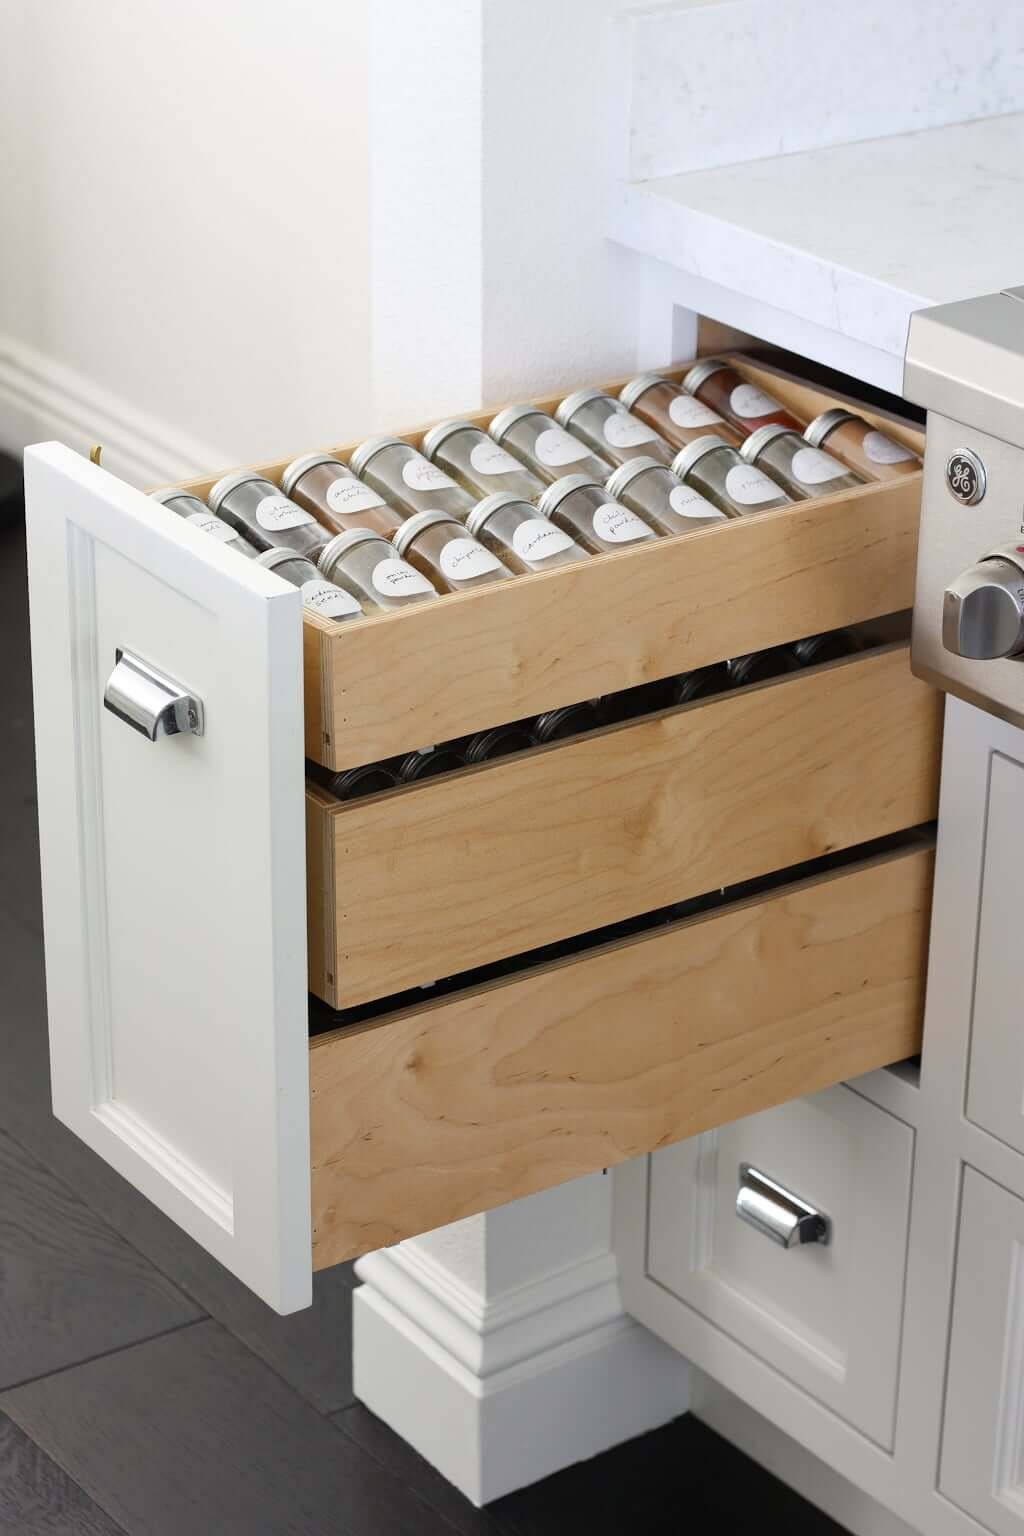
687	457
571	404
556	494
403	536
229	483
760	439
490	504
626	473
511	414
294	471
272	558
366	450
693	380
822	425
347	540
433	439
631	392
173	493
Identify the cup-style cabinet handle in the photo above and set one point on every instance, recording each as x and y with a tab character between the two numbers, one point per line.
777	1212
149	701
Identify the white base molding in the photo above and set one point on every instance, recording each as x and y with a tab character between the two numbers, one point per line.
498	1393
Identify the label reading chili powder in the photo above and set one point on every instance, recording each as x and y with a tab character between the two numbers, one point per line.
617	525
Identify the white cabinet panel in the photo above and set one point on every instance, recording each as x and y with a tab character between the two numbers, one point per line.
826	1317
174	870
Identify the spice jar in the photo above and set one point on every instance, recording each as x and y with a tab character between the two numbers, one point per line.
406	479
677	416
571	720
370	779
827	647
580	507
861	446
801	470
366	565
661	499
440	548
718	472
543	446
336	497
502	741
744	406
701	683
257	510
199	515
518	535
610	428
478	462
759	665
319	596
428	763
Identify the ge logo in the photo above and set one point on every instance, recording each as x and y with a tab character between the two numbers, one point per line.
965	477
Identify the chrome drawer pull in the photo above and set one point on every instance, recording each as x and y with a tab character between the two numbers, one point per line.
780	1215
149	701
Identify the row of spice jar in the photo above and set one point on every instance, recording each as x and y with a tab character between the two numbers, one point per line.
576	719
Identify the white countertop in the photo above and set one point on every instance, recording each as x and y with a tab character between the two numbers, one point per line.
845	241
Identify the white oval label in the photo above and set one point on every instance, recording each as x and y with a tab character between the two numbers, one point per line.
883	450
329	601
536	539
624	430
747	400
813	467
555	447
489	458
345	495
463	559
689	503
748	486
214	526
396	578
617	525
277	512
420	475
688	411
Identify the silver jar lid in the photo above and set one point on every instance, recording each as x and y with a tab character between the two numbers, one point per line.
555	494
572	403
822	425
347	540
175	493
630	393
687	457
362	455
509	416
433	439
626	473
294	471
403	536
228	483
279	556
759	439
693	380
491	504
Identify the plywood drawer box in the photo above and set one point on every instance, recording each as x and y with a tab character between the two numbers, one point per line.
194	887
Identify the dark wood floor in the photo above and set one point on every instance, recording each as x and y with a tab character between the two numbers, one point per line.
144	1391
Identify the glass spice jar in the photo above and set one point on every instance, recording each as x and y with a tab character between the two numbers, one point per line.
744	405
318	595
337	498
545	447
480	464
257	510
199	515
560	724
501	741
610	428
366	565
405	478
581	507
720	474
514	530
354	783
801	470
861	446
440	547
677	416
661	499
428	763
701	683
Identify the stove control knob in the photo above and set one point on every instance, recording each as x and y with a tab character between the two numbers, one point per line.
983	611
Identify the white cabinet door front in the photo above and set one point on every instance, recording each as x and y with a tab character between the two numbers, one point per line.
174	869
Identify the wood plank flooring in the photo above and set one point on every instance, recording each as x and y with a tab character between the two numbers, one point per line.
144	1392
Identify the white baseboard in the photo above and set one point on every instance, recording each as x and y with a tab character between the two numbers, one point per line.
43	399
499	1396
